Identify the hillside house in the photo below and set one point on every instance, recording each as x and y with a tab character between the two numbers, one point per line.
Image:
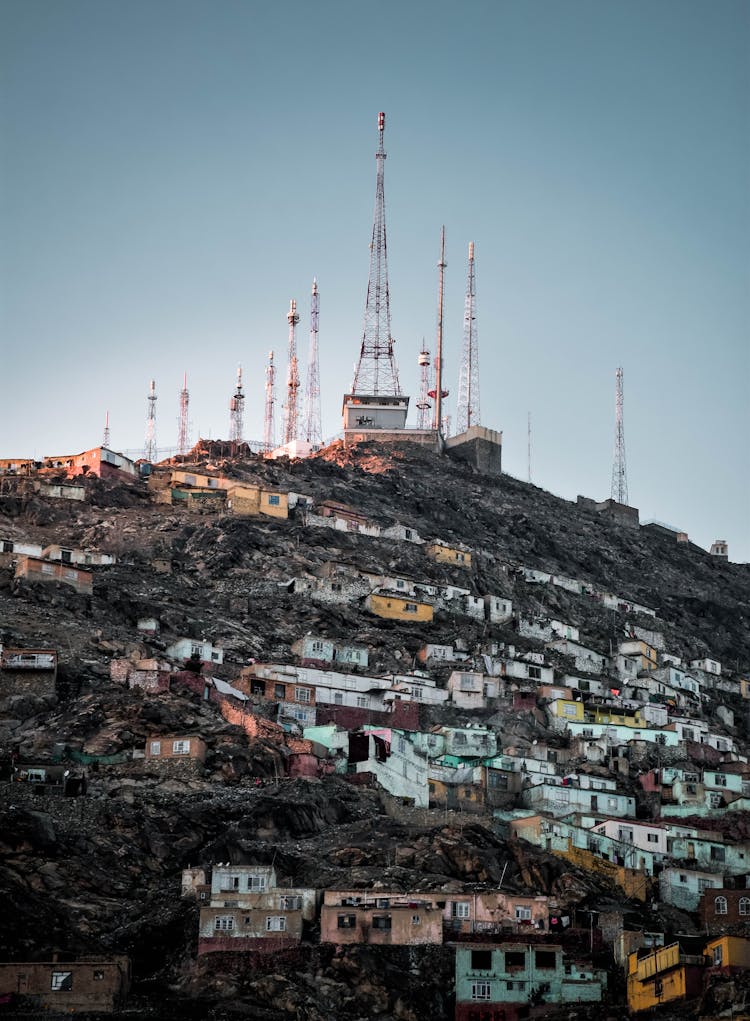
27	671
645	655
148	674
62	491
514	974
544	629
331	688
709	852
176	753
85	984
526	669
99	461
562	799
35	570
683	887
497	609
27	549
454	554
342	518
379	918
192	648
622	735
708	666
67	555
431	653
472	690
722	906
395	607
660	975
584	658
252	500
248	910
402	533
315	649
561	710
419	687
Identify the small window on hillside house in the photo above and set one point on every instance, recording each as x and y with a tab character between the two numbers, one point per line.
273	500
481	960
544	959
720	905
514	959
180	747
62	981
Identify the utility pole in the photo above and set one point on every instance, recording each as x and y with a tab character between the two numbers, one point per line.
439	393
467	409
619	471
149	449
376	371
236	413
313	431
269	419
292	378
183	426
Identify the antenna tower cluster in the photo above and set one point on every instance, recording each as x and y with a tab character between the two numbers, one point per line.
619	469
467	408
376	371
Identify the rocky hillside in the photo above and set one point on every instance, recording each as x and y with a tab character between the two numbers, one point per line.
100	873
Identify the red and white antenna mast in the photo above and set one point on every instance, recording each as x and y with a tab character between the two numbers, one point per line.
467	407
105	441
376	371
292	377
438	393
313	431
236	413
183	425
269	419
619	470
149	448
423	404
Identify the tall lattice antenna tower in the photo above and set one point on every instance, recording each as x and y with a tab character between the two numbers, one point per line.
313	431
423	404
467	409
269	419
292	377
438	393
183	425
105	440
149	448
619	469
237	413
376	371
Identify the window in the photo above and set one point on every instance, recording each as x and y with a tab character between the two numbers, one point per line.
363	702
156	747
652	838
481	960
410	607
416	919
569	710
215	655
720	779
279	691
224	923
481	990
718	955
62	981
544	959
273	500
338	698
514	959
302	694
720	905
275	923
523	914
180	747
400	583
98	976
718	853
381	922
346	921
744	906
704	884
460	909
48	569
316	646
535	673
290	903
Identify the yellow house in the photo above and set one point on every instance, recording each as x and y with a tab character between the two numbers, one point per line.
446	554
274	504
663	975
252	500
728	952
567	708
397	608
180	477
638	649
744	688
620	719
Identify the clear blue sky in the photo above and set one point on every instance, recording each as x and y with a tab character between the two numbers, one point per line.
174	171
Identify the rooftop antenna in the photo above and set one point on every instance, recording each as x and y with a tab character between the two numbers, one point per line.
269	419
619	470
438	393
467	409
376	371
292	378
105	441
236	413
423	405
149	448
313	431
183	426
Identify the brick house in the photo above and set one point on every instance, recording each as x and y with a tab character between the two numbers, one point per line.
180	753
723	907
89	984
35	569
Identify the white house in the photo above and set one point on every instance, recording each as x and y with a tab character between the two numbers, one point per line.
188	648
471	690
708	666
585	659
683	887
562	800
